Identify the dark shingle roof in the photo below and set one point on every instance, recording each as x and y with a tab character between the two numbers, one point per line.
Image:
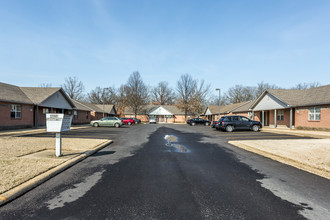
38	94
107	108
245	107
214	109
10	93
148	108
81	106
314	96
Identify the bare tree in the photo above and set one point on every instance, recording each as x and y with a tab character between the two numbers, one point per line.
214	100
185	89
162	94
102	95
45	85
239	93
302	86
261	87
199	97
74	88
191	94
136	92
121	101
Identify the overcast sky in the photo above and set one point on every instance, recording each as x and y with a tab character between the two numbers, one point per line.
223	42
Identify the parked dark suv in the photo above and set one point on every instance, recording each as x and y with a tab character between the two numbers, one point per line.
237	122
198	121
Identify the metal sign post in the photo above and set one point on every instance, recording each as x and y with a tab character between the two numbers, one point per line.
58	150
58	123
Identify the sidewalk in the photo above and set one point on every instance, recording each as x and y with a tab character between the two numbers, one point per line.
311	155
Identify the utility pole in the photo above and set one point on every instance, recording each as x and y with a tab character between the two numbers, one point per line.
217	89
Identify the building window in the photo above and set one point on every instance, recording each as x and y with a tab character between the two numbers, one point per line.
15	111
45	110
86	115
250	115
280	115
75	113
314	114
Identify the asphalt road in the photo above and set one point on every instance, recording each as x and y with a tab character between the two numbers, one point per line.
197	176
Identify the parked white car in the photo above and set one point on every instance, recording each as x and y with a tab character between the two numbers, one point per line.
152	120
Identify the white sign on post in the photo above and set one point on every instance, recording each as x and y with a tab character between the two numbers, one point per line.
58	123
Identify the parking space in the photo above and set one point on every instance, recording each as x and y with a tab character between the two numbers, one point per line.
246	135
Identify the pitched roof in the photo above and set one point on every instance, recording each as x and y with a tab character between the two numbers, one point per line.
314	96
144	111
38	94
91	106
148	108
214	109
244	107
81	106
107	108
173	109
11	93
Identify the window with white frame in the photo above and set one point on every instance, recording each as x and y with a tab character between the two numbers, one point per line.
314	114
45	110
280	115
15	111
75	113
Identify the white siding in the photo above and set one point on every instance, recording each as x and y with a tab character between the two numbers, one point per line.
268	102
208	112
57	100
160	111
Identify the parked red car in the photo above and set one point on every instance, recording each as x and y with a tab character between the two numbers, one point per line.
128	121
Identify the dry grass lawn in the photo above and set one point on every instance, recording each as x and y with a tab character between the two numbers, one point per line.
312	155
17	167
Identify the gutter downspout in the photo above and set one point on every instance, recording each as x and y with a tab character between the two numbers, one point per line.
37	113
275	118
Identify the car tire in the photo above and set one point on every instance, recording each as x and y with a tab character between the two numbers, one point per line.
117	125
206	124
129	123
96	124
229	128
255	128
217	128
193	124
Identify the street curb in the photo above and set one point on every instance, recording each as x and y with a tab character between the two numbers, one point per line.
298	134
34	131
285	160
43	177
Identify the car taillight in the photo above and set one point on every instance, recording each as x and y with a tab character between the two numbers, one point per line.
122	120
223	123
216	123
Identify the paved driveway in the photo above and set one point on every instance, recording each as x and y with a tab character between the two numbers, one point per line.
198	176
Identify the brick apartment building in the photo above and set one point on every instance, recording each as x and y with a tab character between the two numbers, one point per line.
26	107
290	108
22	107
162	113
243	108
286	108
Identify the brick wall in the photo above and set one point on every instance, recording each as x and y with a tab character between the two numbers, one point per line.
83	117
6	122
302	119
